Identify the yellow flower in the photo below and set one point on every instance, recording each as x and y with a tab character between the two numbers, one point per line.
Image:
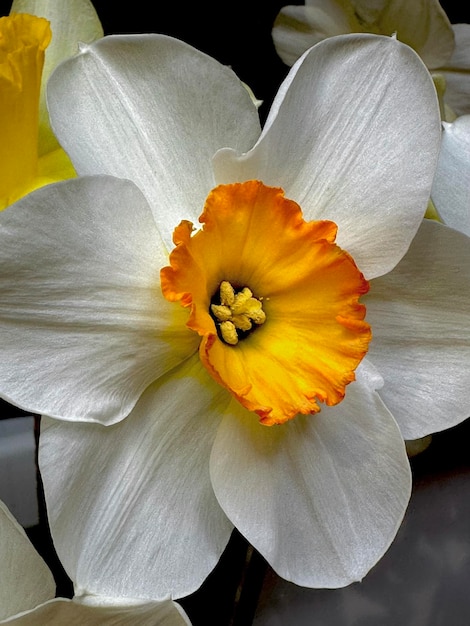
30	47
23	40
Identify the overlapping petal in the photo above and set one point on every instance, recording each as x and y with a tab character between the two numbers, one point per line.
27	592
141	490
85	327
25	580
338	151
451	188
118	108
421	340
76	613
322	496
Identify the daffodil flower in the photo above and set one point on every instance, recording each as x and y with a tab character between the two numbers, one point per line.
27	592
424	25
30	49
451	188
166	427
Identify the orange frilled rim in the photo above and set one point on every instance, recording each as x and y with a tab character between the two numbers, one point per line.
313	336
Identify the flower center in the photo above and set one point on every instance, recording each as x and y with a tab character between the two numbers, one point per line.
236	313
274	299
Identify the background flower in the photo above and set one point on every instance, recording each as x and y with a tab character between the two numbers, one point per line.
444	48
451	189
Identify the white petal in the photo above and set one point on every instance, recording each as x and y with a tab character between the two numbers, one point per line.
84	327
152	109
451	188
322	496
457	72
420	318
353	136
74	613
25	580
71	22
150	525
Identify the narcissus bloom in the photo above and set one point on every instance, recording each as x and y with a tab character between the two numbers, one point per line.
424	25
187	306
451	188
30	155
27	592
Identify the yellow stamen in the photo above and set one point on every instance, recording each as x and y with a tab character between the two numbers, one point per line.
236	312
229	332
299	341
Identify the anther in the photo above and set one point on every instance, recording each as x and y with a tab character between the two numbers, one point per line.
237	312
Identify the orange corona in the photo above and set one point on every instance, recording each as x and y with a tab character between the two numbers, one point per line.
274	299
